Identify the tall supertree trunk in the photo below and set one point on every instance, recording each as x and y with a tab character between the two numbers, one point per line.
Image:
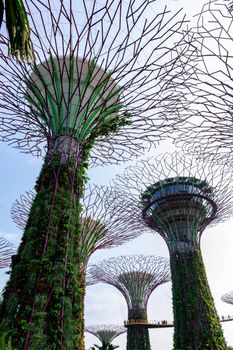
138	336
196	323
179	197
40	299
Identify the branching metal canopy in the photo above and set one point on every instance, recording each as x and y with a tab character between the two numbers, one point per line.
135	276
95	61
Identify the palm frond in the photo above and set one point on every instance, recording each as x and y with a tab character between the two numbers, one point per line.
20	45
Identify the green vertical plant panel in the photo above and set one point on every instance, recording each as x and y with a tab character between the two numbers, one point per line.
79	312
197	325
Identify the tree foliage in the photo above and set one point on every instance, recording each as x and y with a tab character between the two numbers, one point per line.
104	346
18	29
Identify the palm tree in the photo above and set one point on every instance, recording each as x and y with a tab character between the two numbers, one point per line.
18	29
112	347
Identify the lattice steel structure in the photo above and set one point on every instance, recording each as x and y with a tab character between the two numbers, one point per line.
136	277
99	66
228	297
178	197
205	128
104	223
6	252
106	333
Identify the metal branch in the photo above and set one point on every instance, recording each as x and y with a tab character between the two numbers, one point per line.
6	252
228	298
20	209
92	64
205	126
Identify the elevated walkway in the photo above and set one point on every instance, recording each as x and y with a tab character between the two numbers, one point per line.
164	323
149	324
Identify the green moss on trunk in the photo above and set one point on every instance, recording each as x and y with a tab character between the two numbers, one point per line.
79	316
197	326
43	301
38	310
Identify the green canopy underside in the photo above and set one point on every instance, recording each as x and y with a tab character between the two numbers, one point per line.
69	117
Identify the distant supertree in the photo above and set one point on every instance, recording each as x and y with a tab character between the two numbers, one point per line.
136	277
106	333
228	298
103	224
177	198
6	252
205	128
99	66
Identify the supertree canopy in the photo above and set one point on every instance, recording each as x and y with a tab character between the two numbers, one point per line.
95	64
103	224
6	252
178	197
136	277
99	70
206	126
179	208
106	333
228	298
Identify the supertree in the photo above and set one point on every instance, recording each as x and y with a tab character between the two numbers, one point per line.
136	277
104	221
6	252
106	333
103	224
228	298
178	197
99	66
205	127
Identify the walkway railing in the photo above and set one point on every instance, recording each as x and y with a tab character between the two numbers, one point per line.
226	318
163	323
149	324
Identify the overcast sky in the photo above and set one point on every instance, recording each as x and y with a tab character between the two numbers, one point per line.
104	304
